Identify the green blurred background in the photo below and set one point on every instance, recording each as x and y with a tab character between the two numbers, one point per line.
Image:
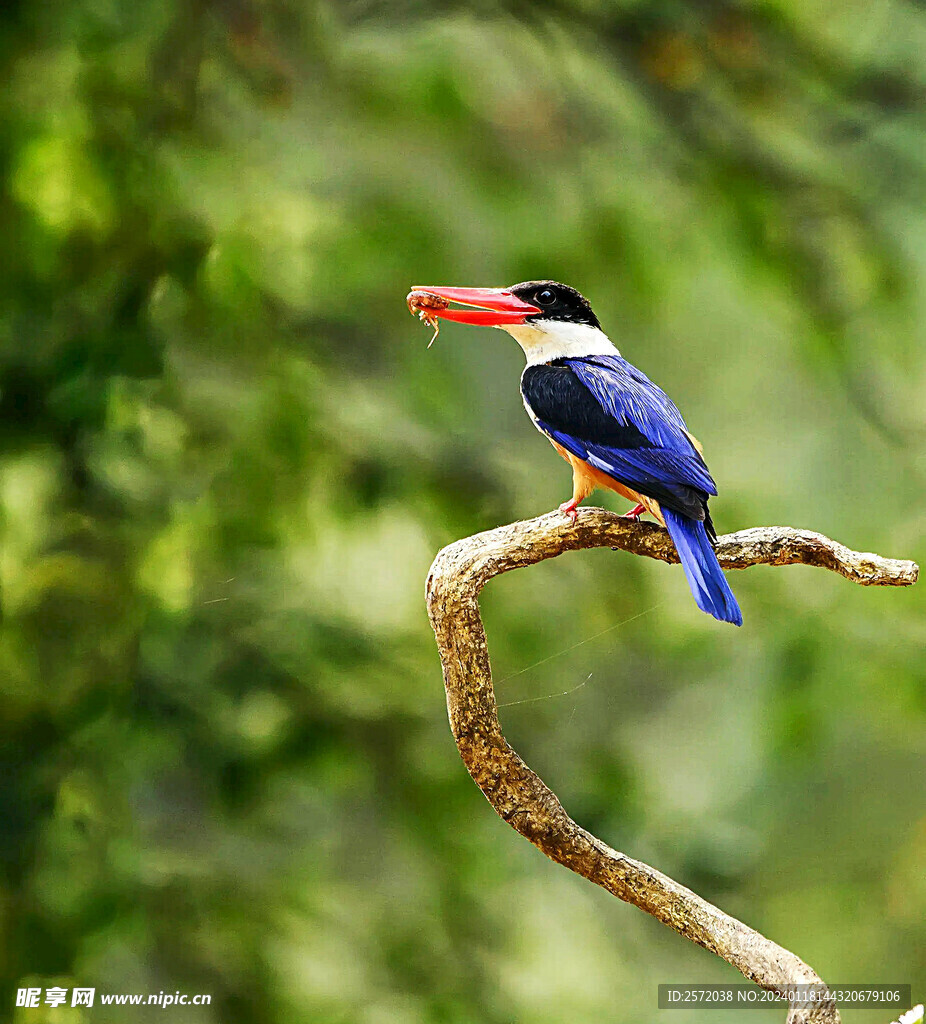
228	459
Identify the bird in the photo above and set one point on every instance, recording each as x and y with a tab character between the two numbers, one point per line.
611	423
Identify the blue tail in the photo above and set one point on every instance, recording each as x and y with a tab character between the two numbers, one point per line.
705	577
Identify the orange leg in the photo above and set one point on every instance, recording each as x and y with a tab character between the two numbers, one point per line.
585	479
582	487
570	508
635	512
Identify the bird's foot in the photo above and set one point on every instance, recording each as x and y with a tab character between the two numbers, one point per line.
570	508
634	513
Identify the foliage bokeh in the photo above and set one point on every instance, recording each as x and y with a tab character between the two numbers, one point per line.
227	461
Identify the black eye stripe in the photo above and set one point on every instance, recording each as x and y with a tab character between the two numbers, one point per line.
555	301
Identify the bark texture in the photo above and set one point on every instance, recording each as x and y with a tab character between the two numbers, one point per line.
522	799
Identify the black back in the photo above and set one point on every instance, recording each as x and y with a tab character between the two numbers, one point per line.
557	396
564	405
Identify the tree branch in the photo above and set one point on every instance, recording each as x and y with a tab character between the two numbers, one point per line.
522	799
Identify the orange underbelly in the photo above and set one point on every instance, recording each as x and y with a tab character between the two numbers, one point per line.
588	478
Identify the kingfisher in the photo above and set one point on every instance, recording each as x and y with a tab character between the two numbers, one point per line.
610	422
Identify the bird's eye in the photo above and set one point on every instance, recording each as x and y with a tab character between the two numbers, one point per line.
546	297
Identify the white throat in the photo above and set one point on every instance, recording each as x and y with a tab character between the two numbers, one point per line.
544	340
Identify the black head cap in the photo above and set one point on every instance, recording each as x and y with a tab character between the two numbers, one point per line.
558	302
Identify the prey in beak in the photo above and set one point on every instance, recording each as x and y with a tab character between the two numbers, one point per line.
497	307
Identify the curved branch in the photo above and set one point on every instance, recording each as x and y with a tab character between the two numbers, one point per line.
522	799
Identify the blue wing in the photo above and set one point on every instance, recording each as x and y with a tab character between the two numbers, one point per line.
606	412
610	414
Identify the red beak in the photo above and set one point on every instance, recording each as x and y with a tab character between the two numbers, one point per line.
498	306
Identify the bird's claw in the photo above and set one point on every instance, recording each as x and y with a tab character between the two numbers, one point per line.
570	509
634	513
